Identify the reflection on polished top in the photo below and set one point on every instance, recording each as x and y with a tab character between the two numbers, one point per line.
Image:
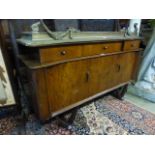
43	39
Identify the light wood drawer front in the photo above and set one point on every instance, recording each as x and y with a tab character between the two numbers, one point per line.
131	45
54	54
102	48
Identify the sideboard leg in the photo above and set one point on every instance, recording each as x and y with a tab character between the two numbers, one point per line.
65	120
120	92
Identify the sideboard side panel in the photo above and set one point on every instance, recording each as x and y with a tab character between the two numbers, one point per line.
40	94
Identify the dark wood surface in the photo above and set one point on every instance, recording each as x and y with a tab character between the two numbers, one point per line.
38	88
81	74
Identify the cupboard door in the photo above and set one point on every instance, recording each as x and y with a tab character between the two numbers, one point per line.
127	64
110	71
67	84
101	74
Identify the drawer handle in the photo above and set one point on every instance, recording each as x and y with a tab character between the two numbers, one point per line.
118	67
105	47
87	76
63	52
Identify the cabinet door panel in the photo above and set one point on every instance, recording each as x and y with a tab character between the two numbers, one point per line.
110	71
101	74
67	84
127	64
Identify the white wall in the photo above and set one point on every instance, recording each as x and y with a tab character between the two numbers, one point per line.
131	25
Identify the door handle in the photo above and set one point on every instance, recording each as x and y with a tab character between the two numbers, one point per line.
118	67
87	76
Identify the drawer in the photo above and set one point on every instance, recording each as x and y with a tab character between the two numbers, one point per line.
54	54
103	48
131	45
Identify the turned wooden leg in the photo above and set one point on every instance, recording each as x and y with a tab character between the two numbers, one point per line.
120	92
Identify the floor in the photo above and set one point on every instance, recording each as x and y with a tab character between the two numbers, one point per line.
104	116
140	102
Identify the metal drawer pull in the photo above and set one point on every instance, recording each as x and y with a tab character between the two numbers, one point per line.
63	52
105	47
87	76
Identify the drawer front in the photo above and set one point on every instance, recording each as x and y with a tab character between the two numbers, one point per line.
132	45
102	48
54	54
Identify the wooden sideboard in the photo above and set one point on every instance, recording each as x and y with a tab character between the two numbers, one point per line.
62	77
